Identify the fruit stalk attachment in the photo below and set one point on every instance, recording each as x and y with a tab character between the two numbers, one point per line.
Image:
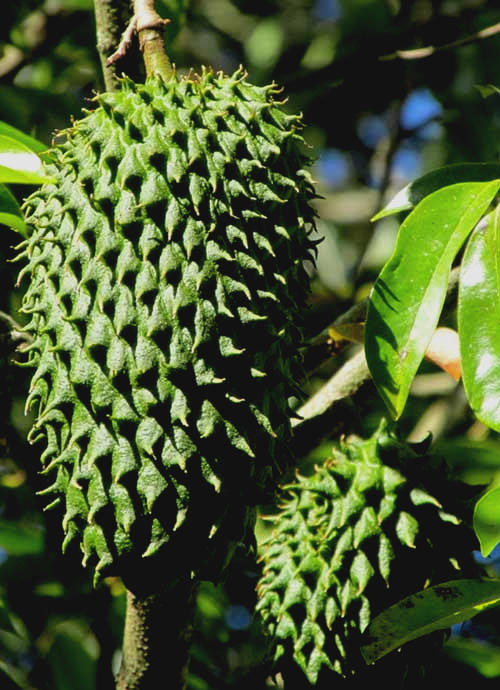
157	633
149	26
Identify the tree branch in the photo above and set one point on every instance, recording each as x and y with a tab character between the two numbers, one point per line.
112	18
427	51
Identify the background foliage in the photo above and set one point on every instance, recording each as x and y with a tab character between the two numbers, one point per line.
374	122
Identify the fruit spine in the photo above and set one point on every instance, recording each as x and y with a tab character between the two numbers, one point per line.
359	534
166	288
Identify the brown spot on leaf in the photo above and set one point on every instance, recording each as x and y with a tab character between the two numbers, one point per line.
446	593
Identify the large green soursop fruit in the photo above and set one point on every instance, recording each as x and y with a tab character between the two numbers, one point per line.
366	529
166	286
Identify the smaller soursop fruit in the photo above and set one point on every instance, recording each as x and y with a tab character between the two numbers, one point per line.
361	533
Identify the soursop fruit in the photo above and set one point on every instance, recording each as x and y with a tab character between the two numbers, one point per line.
363	531
166	285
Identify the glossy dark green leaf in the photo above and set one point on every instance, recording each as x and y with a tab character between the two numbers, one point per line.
19	164
479	320
435	608
408	296
487	520
33	144
10	211
408	197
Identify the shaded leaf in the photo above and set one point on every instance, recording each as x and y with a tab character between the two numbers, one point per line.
479	320
435	608
474	462
16	678
176	11
10	211
478	654
19	164
408	295
487	520
487	90
19	539
408	197
72	657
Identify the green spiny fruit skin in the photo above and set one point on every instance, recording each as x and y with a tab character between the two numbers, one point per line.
359	534
166	288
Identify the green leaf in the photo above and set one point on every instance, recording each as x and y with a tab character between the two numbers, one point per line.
19	539
14	133
19	164
176	11
5	620
408	295
17	677
473	462
73	657
10	211
413	193
479	320
487	90
435	608
264	45
481	655
486	520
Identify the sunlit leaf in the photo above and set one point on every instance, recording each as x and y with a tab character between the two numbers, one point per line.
479	320
408	295
487	520
19	164
435	608
10	212
33	144
417	190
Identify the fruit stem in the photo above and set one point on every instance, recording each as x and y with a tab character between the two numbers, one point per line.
157	638
149	26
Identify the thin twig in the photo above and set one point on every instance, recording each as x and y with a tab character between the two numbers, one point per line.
112	17
427	51
351	376
344	383
125	43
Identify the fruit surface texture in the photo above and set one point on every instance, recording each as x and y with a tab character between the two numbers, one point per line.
361	532
166	286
